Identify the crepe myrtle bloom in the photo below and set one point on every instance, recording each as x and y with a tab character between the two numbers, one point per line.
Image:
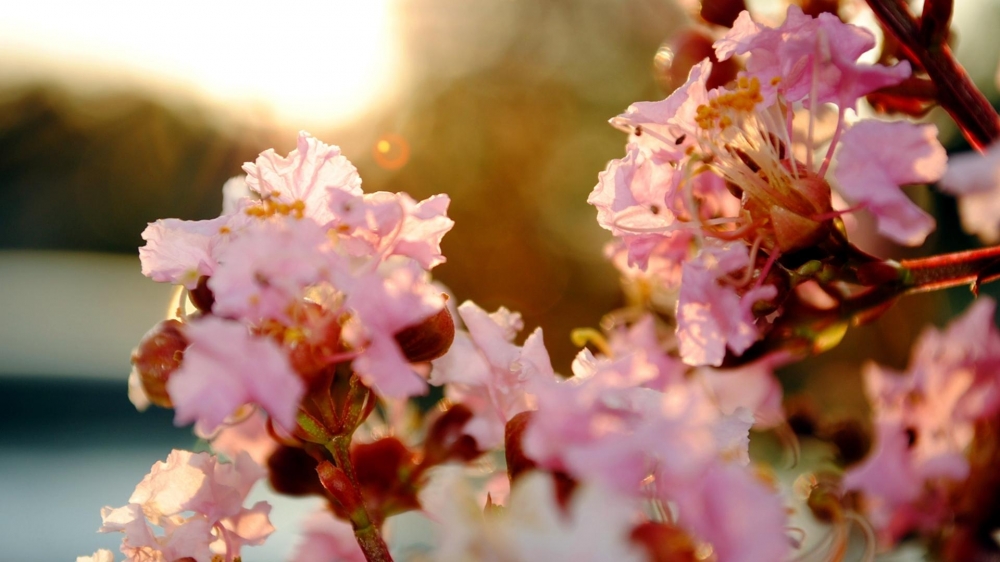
758	138
302	271
925	421
190	507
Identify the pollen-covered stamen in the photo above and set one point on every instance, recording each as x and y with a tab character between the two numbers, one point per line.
270	206
738	138
748	145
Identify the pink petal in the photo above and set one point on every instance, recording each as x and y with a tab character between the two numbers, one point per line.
875	158
179	251
712	317
310	173
226	367
668	126
743	519
384	303
975	180
268	267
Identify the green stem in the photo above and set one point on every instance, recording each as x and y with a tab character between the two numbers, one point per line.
365	531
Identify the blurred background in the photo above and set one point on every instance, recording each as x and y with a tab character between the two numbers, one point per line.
116	114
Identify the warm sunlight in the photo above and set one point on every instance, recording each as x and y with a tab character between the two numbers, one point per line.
317	63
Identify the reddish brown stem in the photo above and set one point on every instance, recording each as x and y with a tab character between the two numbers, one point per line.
956	93
971	267
935	21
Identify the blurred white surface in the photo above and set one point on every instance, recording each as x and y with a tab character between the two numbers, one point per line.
73	314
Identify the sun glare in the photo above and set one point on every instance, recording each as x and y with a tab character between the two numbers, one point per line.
303	63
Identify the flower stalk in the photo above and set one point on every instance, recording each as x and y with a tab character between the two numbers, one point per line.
925	41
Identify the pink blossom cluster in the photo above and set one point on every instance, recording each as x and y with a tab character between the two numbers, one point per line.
301	262
190	508
636	425
316	321
925	421
717	186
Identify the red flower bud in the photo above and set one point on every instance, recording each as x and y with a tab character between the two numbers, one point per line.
386	471
664	542
722	12
292	471
158	355
445	440
201	296
346	499
429	339
816	7
517	462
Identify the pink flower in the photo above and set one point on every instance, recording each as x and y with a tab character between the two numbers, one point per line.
641	338
652	261
603	425
487	372
181	538
327	539
594	526
198	503
925	420
631	195
250	436
809	57
382	303
383	224
268	267
740	516
640	200
306	178
875	158
712	317
226	367
752	386
179	251
664	129
975	179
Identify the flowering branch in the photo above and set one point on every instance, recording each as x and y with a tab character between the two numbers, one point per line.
926	41
314	300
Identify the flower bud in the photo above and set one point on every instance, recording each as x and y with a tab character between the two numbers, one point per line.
816	7
201	296
664	542
158	355
445	440
722	12
292	471
429	339
386	471
517	461
346	499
